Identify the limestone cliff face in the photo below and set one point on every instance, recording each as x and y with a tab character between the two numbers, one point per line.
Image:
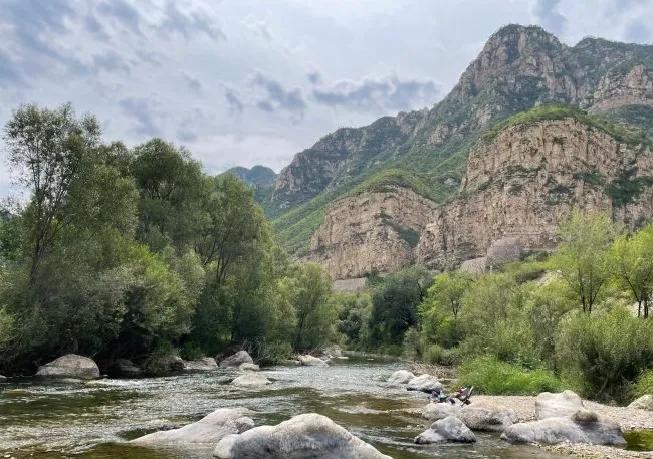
372	231
526	180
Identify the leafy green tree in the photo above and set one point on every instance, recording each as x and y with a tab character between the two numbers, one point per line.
314	311
584	253
354	317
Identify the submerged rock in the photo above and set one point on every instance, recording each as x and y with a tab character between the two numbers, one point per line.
484	417
204	364
645	402
584	426
248	367
449	429
236	359
310	361
424	383
203	434
70	366
549	405
251	379
401	377
125	367
307	436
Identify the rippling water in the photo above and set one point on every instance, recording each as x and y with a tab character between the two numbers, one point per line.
96	419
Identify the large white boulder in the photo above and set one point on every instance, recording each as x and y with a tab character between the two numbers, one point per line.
310	361
204	364
424	383
477	416
236	359
70	366
250	379
401	377
550	405
645	402
449	429
584	426
307	436
202	435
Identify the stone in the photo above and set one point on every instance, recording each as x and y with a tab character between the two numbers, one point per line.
200	365
125	367
424	383
306	436
248	367
163	365
250	379
236	359
645	402
70	366
3	378
203	435
449	429
401	377
584	426
290	363
477	416
310	361
550	405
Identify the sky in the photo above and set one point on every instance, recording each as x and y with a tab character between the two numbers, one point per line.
244	82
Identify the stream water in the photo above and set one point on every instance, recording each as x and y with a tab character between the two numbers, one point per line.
96	419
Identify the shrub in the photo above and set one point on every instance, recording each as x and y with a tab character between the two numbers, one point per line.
490	376
644	384
435	354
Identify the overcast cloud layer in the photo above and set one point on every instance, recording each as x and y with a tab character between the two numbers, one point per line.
243	82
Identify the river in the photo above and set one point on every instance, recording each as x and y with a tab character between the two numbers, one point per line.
96	419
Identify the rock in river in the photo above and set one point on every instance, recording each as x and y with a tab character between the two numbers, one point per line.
310	361
3	378
236	359
125	367
424	383
70	366
401	377
477	416
248	367
163	365
307	436
250	379
205	364
548	405
201	435
645	402
449	429
582	427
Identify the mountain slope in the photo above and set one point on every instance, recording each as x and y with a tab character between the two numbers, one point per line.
257	176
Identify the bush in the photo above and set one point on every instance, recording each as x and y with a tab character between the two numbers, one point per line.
438	355
644	384
492	377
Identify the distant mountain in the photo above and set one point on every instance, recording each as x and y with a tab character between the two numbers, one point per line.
426	151
257	176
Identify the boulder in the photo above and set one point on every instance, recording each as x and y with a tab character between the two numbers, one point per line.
424	383
474	266
3	378
250	379
70	366
549	405
201	435
290	363
248	367
401	377
645	402
478	416
584	426
503	251
125	367
310	361
162	365
307	436
204	364
449	429
236	359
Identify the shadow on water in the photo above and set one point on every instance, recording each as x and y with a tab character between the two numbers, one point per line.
96	419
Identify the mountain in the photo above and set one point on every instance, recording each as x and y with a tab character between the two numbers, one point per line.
419	159
257	176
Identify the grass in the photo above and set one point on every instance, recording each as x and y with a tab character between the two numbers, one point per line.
492	377
644	384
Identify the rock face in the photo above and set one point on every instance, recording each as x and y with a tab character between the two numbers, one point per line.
250	379
307	436
70	366
237	359
484	417
582	427
310	361
201	435
204	364
424	383
449	429
372	231
645	402
401	377
564	404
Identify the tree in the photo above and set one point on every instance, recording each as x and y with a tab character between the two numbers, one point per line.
46	148
631	259
448	288
314	311
583	254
